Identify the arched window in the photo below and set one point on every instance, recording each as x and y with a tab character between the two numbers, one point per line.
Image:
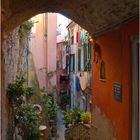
97	53
102	70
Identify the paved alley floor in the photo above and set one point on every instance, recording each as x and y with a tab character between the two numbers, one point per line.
60	127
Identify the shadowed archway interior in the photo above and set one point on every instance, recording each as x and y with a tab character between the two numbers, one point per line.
96	16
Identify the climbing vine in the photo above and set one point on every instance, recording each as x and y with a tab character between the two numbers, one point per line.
25	28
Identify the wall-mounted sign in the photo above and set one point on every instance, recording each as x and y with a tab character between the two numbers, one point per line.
117	91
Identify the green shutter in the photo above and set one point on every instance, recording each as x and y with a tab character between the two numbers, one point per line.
79	59
85	55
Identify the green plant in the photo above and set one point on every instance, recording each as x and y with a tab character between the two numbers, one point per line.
34	133
26	120
86	117
16	89
29	91
64	98
24	116
51	105
72	117
25	29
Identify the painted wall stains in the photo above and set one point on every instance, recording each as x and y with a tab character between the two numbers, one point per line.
104	126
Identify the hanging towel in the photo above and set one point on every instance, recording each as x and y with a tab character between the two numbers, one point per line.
83	82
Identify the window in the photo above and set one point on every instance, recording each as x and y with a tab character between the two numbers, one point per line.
72	62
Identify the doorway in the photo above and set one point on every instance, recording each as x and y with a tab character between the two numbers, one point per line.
135	88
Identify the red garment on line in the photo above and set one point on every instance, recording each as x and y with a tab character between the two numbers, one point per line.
77	36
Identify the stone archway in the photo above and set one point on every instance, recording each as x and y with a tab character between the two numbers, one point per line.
96	16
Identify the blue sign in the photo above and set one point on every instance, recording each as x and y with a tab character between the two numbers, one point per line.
117	91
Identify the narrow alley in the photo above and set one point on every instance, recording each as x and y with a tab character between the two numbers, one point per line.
60	126
70	70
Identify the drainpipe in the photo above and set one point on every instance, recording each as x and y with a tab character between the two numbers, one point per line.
27	65
46	51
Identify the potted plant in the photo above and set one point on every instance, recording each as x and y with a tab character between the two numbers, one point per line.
26	120
51	105
72	117
52	108
86	117
16	90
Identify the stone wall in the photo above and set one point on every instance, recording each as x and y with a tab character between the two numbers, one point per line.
108	13
15	55
15	63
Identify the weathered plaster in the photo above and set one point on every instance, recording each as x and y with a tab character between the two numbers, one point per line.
104	126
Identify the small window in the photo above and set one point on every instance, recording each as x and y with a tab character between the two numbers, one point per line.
102	71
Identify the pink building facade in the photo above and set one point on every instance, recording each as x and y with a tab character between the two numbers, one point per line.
43	48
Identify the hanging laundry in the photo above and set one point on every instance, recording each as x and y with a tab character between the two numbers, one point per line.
80	36
77	37
85	37
83	82
77	83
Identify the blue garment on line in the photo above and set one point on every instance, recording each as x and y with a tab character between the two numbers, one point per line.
77	87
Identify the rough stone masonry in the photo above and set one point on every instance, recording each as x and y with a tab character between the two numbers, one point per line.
15	55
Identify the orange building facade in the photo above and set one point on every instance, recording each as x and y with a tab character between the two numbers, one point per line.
115	51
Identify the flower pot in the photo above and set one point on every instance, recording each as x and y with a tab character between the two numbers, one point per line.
43	132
